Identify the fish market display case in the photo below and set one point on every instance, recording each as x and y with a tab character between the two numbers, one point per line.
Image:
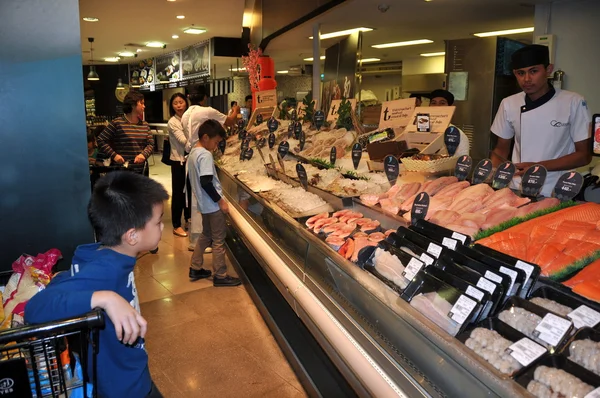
379	343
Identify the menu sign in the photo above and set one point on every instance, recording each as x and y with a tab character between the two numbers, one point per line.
333	115
168	67
142	73
439	118
396	114
266	98
195	61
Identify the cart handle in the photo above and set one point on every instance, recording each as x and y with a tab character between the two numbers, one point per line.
91	320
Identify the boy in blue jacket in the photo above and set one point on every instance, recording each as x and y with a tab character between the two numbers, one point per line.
126	212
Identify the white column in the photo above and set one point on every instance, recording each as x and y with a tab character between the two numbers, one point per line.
316	86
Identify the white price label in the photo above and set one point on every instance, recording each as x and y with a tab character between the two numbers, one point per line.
528	268
426	259
493	277
462	309
460	237
434	249
552	329
584	316
450	243
485	284
513	277
526	351
594	394
413	267
475	293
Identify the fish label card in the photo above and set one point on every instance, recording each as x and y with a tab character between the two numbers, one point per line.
526	351
284	148
248	154
245	144
412	269
333	156
294	115
460	237
568	186
261	143
462	309
319	119
525	267
420	207
485	284
242	153
482	171
552	329
463	167
297	130
423	123
356	155
452	139
428	260
259	119
290	131
504	175
271	140
584	316
475	293
273	125
450	243
533	180
301	171
240	124
222	146
302	140
434	249
242	135
392	168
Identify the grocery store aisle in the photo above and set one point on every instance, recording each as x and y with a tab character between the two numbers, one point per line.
204	341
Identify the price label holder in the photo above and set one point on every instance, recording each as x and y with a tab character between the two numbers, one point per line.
259	118
248	154
222	146
463	167
271	140
420	207
273	125
302	140
333	156
584	316
486	285
301	171
245	144
294	115
525	351
482	171
450	243
423	123
240	124
291	131
552	329
462	309
527	268
242	135
391	167
434	249
261	143
452	139
475	293
504	175
242	152
297	130
412	269
428	260
319	119
356	155
568	186
284	148
533	180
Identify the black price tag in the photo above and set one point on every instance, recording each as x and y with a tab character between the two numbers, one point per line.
294	115
482	171
259	118
302	175
248	154
283	149
463	167
262	142
452	139
302	140
333	156
242	135
504	175
568	186
356	154
222	146
319	119
271	140
420	208
297	130
273	125
391	167
533	180
15	379
240	124
290	131
245	144
242	154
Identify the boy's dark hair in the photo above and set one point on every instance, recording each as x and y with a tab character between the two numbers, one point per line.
248	97
176	95
122	200
212	128
197	95
131	100
233	103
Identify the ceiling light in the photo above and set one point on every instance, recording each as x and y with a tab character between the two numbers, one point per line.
194	31
180	16
90	19
403	43
120	85
112	59
433	54
93	75
312	59
154	44
170	0
365	60
139	50
175	37
283	72
504	32
126	54
342	33
237	70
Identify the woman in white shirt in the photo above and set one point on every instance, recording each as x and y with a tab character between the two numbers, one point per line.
177	138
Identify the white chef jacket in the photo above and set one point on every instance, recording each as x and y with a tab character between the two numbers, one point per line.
543	130
193	118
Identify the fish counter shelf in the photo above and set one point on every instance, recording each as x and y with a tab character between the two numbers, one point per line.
414	347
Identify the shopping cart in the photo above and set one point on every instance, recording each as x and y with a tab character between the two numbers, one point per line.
36	361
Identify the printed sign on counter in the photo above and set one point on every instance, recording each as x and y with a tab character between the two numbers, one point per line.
356	154
266	98
333	155
482	171
423	123
463	167
290	131
439	118
392	168
333	115
302	176
302	140
272	124
319	119
271	140
533	180
504	175
297	130
248	154
284	148
396	114
452	139
568	186
420	208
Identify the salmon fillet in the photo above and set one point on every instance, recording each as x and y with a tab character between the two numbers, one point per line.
548	253
513	247
589	273
589	289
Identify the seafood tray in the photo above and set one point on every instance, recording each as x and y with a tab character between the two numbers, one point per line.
272	197
427	226
411	248
584	349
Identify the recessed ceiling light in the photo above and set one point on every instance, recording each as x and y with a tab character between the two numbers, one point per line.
403	43
175	37
180	16
139	50
342	33
170	0
283	72
154	44
90	19
237	70
126	54
312	59
194	31
365	60
504	32
112	59
433	54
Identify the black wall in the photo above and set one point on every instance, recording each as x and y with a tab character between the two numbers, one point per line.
103	90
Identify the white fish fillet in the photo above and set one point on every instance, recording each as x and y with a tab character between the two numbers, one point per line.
390	267
436	309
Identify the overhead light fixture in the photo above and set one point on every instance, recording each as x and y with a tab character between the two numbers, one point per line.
283	72
120	85
312	59
365	60
504	32
433	54
171	0
342	33
92	76
126	54
139	50
180	16
175	37
194	31
90	19
154	44
237	70
112	59
403	43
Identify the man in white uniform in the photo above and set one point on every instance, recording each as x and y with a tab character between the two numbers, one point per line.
550	127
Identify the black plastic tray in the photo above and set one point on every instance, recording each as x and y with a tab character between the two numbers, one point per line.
560	362
564	296
435	236
427	226
418	239
398	242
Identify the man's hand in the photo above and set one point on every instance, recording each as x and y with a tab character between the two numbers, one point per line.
119	159
139	159
129	324
224	206
522	167
235	109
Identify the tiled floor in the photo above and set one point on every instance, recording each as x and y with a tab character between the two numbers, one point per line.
204	341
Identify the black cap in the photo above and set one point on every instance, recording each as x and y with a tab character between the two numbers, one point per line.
531	55
444	94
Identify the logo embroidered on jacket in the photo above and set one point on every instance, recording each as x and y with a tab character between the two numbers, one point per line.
556	123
